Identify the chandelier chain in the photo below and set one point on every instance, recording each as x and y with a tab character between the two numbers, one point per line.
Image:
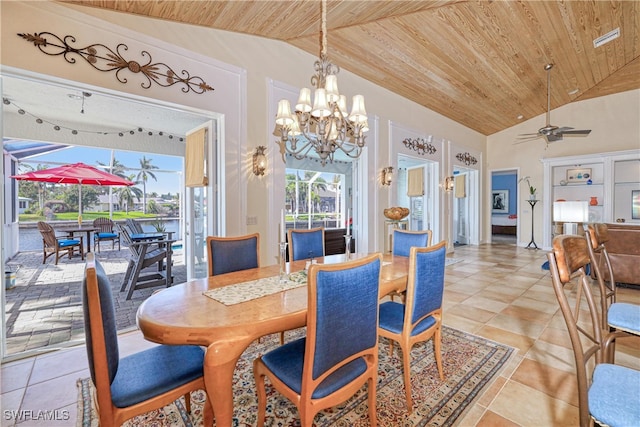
324	126
323	29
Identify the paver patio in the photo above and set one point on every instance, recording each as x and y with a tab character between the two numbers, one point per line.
44	309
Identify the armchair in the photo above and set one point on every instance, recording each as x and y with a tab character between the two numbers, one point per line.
607	393
55	245
105	231
146	253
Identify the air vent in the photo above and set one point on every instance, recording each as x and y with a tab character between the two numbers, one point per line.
611	35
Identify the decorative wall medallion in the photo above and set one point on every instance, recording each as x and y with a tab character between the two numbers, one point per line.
105	59
420	145
466	158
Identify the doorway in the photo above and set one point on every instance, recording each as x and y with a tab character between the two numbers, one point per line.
504	209
104	111
417	189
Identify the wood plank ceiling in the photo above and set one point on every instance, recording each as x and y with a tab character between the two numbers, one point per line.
480	63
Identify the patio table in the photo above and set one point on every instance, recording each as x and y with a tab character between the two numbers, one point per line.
71	231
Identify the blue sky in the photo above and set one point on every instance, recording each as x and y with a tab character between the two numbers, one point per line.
166	183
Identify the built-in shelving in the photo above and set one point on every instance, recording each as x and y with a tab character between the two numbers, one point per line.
613	176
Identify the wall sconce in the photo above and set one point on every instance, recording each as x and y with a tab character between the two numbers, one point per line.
259	161
448	184
387	175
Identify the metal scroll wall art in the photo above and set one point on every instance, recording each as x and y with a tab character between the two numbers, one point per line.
420	145
104	59
466	158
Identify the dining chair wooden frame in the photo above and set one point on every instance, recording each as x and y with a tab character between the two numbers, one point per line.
333	291
299	237
53	245
162	366
229	254
618	319
420	317
105	231
609	393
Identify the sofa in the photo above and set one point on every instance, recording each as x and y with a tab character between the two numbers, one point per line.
624	251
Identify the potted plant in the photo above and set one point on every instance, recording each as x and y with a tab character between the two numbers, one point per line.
532	189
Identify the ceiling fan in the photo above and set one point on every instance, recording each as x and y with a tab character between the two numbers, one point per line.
550	132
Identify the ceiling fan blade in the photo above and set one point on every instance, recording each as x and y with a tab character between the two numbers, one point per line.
563	129
531	138
528	135
581	132
554	137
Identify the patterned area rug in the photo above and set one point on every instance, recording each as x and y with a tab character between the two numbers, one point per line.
470	363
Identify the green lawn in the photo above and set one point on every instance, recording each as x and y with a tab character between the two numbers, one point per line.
87	216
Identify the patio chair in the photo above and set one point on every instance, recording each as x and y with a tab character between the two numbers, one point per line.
143	381
144	254
55	245
420	317
607	393
340	352
305	244
134	226
105	230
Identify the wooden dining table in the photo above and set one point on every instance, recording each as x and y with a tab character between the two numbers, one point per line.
182	314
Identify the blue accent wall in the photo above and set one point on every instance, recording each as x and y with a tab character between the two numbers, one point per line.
507	182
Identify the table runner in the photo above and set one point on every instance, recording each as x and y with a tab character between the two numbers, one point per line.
247	291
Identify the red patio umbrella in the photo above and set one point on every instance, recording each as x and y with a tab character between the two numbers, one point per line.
77	173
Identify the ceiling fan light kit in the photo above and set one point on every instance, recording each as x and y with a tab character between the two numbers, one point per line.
550	132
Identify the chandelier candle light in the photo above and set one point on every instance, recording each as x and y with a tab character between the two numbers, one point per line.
324	126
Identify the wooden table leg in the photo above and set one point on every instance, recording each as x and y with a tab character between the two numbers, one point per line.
219	364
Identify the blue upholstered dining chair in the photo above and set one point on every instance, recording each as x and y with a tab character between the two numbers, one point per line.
607	393
419	318
305	244
403	240
339	353
228	254
141	382
621	319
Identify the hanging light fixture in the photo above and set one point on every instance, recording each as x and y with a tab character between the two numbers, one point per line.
324	126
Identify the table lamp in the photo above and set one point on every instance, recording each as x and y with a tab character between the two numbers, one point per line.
571	213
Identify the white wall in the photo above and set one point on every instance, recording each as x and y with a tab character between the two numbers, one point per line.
239	67
198	49
615	126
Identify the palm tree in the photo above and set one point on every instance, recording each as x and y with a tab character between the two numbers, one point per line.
143	175
126	194
116	168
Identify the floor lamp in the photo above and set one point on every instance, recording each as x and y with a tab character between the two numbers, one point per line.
571	213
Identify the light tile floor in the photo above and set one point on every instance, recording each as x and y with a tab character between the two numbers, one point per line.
498	291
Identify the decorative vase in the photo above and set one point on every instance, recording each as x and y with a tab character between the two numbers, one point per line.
593	201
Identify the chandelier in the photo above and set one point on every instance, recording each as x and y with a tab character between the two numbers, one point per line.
324	126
